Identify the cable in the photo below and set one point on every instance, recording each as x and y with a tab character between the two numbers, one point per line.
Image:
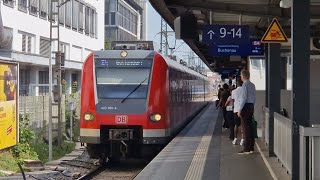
178	47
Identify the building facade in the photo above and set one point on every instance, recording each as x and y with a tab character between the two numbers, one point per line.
125	20
81	31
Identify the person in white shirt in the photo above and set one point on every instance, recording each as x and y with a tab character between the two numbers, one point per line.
247	99
237	128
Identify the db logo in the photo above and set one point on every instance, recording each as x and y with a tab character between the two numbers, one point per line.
123	119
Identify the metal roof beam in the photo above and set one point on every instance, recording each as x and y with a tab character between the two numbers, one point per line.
260	10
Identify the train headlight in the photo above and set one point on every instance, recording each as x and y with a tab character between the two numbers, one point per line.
155	117
88	116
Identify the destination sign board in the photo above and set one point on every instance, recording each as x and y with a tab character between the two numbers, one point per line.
225	34
253	47
122	63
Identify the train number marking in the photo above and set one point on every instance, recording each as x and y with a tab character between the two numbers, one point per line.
122	119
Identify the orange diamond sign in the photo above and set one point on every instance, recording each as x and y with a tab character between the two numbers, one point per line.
274	33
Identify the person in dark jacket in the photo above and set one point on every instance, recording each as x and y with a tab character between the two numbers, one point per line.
223	99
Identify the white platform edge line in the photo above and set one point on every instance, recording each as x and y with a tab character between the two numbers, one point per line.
266	163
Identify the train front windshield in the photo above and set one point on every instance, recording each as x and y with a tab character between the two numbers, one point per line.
123	79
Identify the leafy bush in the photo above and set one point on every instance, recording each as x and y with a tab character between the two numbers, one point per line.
23	150
8	162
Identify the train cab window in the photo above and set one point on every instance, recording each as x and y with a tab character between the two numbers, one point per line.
122	82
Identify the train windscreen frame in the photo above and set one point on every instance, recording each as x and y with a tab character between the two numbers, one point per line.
122	78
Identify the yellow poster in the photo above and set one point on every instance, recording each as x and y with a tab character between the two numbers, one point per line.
8	105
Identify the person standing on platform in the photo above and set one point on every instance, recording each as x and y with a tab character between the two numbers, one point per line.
230	116
223	99
237	122
247	99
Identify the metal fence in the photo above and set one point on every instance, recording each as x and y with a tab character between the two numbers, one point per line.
283	140
309	145
36	109
311	135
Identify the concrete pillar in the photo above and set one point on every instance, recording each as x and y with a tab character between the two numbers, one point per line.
34	79
274	89
300	53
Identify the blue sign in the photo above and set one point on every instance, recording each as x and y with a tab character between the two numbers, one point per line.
245	49
224	34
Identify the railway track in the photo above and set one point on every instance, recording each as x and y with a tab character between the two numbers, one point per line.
83	167
126	170
79	168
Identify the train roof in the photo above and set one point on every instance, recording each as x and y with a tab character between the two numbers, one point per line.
176	65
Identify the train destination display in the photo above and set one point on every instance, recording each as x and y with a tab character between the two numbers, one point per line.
122	63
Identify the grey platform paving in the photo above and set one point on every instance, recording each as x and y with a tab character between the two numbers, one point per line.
202	151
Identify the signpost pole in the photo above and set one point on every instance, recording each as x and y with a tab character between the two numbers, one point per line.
274	86
50	86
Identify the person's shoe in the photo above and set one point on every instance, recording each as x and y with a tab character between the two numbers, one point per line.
244	152
241	142
234	142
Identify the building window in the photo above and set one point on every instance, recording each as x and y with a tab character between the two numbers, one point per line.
33	7
44	47
95	24
106	18
113	18
43	79
80	24
61	15
54	9
27	43
92	22
75	14
113	5
127	19
64	48
24	81
87	19
23	5
43	8
8	42
68	13
23	48
8	2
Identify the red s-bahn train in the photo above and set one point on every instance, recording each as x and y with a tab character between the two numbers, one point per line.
135	101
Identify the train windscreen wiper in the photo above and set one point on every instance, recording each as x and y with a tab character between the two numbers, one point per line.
134	89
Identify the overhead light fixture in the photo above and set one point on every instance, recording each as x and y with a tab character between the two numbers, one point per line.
285	3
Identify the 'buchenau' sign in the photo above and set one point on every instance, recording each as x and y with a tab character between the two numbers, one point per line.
251	48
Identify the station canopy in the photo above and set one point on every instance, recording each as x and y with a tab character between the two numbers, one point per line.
258	14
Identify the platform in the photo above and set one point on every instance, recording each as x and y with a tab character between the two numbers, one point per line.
203	151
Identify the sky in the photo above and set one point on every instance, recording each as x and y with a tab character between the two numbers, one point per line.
153	34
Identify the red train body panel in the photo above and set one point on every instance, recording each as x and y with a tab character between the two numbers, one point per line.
117	107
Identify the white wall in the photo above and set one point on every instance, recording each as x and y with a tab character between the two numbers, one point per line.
257	72
22	22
